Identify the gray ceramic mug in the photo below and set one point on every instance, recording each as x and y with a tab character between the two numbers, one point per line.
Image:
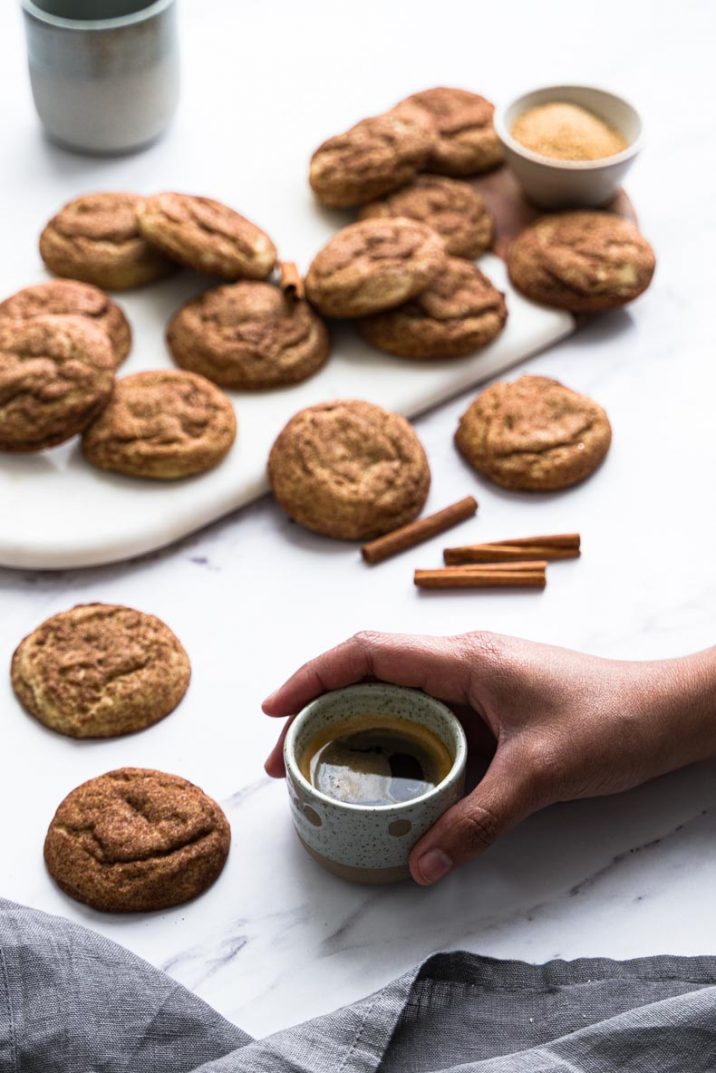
369	843
104	73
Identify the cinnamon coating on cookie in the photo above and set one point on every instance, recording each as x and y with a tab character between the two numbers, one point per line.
349	470
534	434
56	374
206	235
69	296
581	261
249	336
95	238
452	208
374	265
163	425
460	312
466	140
377	155
136	840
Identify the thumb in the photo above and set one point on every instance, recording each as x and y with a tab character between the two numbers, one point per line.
498	802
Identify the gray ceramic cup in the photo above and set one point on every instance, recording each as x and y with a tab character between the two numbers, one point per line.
104	73
369	843
565	184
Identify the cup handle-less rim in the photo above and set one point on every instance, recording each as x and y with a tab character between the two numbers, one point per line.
384	810
144	14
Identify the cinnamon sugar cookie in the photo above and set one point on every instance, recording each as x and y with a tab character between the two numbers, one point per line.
100	670
581	261
96	239
68	296
378	154
206	235
162	424
136	840
534	434
374	265
466	139
457	314
249	335
56	374
452	208
349	469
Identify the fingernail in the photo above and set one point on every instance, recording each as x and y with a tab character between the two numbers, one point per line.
433	865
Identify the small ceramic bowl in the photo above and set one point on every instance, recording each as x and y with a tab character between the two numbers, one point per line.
563	184
369	843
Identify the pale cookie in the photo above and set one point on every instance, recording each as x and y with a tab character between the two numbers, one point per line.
56	374
581	261
163	425
458	313
349	470
374	265
96	239
534	434
206	235
452	208
100	670
248	336
378	154
68	296
466	140
136	840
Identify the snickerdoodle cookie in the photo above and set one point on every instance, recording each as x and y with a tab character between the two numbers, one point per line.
376	155
100	670
62	296
135	840
349	469
162	424
249	335
581	261
56	374
534	434
206	235
452	208
374	265
466	140
458	313
96	239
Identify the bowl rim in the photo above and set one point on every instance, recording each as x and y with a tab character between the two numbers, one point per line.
291	761
554	163
61	22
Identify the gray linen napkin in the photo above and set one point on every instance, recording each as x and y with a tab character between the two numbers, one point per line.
74	1002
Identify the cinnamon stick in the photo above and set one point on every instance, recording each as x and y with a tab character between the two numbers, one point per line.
292	283
477	579
408	536
559	546
554	540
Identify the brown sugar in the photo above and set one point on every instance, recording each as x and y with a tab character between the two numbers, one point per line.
567	132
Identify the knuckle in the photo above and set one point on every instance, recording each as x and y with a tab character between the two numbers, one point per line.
478	829
367	639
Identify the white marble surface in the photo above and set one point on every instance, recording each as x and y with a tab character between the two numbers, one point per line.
276	940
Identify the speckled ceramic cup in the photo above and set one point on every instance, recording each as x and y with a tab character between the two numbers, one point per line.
369	843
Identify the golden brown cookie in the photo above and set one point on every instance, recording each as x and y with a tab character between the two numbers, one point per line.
452	208
96	239
249	335
373	265
581	261
466	139
378	154
534	434
136	840
349	470
206	235
100	670
162	424
457	314
68	296
56	374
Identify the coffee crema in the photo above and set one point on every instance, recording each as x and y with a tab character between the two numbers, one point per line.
375	760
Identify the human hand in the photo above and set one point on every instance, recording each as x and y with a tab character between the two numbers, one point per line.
557	724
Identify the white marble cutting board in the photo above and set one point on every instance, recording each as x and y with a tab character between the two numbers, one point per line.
100	518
